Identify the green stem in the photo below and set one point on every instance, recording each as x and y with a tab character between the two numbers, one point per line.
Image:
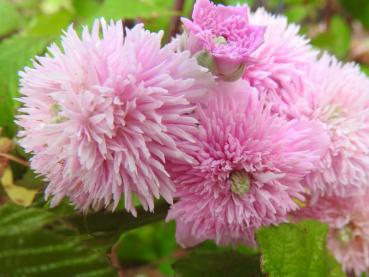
110	223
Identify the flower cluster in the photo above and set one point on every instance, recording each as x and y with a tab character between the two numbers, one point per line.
104	115
237	119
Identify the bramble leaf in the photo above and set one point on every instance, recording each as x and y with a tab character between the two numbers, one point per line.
297	250
28	249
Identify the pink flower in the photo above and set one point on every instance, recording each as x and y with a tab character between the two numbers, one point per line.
348	236
281	62
249	169
103	115
338	99
225	34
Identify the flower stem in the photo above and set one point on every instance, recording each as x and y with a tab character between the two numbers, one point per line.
14	159
175	21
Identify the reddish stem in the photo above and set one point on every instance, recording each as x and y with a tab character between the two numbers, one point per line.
175	21
14	159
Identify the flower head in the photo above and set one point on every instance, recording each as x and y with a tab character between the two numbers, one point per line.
102	116
250	164
281	62
338	99
348	236
224	34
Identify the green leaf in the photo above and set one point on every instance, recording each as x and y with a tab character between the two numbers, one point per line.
337	39
45	253
364	68
15	220
359	9
10	17
15	53
53	6
30	180
50	25
29	249
86	8
235	2
297	13
145	244
117	9
342	34
226	263
107	223
296	250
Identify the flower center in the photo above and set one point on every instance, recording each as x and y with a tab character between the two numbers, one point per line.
331	113
240	182
345	234
219	40
336	112
55	111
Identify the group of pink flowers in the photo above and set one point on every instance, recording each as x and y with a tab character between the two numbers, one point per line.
238	119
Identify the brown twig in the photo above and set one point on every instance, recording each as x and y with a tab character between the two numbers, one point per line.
115	260
175	21
14	159
328	11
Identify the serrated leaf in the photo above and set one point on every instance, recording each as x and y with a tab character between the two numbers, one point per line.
296	250
27	249
15	220
44	253
15	53
10	17
220	263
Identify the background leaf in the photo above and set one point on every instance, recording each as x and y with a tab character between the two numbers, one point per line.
15	53
10	17
225	263
116	9
337	39
235	2
28	249
50	25
15	220
47	254
358	9
296	250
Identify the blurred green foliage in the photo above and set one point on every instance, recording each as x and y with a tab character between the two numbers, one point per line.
44	243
